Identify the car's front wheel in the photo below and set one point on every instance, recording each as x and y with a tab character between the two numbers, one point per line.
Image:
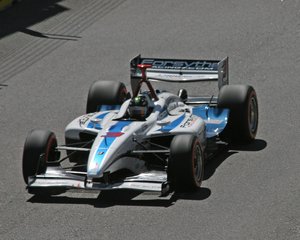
186	163
39	149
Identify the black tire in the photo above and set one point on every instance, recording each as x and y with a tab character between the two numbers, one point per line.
186	163
105	93
243	117
38	142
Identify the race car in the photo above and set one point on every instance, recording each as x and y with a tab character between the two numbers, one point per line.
147	140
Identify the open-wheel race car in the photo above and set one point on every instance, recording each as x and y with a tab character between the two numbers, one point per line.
149	140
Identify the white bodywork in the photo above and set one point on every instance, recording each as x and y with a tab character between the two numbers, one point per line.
115	136
120	143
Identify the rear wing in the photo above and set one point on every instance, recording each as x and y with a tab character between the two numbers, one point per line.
180	70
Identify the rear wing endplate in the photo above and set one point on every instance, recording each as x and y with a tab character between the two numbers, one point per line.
180	70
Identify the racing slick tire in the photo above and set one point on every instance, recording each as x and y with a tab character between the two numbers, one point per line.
105	93
38	142
242	124
186	163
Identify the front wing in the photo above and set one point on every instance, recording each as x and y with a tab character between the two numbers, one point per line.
57	177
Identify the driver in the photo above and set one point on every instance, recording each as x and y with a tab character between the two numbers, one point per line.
139	107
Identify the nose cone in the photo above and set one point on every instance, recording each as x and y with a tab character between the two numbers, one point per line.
107	145
101	151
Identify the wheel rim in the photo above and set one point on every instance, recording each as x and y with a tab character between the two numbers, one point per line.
49	153
197	164
253	115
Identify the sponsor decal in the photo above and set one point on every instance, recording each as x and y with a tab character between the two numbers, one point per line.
185	64
189	122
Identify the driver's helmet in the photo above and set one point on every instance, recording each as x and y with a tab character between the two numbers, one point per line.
138	107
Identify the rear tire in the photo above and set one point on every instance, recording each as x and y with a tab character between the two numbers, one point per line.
38	142
186	163
105	93
242	124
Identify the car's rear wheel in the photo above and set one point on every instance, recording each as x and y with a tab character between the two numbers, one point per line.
105	93
39	149
186	163
243	117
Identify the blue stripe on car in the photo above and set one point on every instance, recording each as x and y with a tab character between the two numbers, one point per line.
172	125
97	125
105	144
215	119
119	126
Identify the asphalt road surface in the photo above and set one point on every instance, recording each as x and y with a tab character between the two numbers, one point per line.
50	53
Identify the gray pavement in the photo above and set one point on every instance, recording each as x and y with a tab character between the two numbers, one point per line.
54	50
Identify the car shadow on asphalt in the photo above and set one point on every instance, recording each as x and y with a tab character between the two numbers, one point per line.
227	151
255	146
107	199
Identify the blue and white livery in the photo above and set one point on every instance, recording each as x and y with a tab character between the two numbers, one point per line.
162	150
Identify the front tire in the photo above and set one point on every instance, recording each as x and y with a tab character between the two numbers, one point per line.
186	163
38	142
